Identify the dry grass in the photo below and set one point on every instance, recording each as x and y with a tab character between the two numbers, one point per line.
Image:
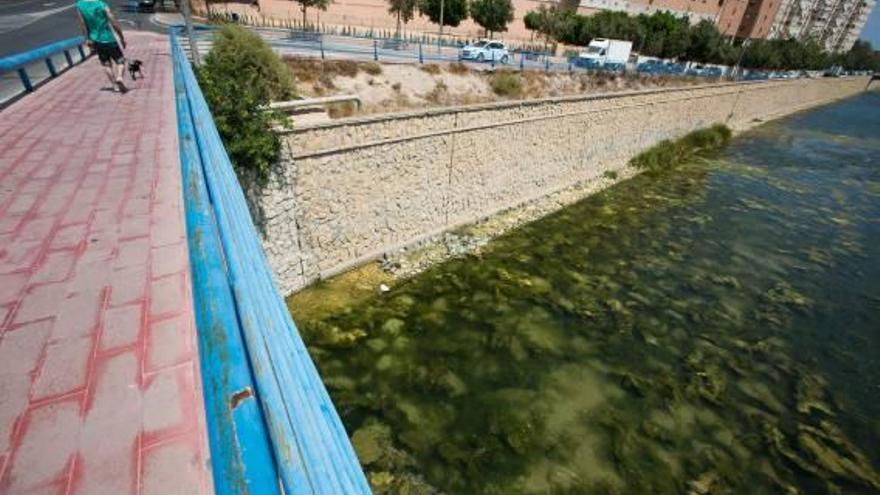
439	95
371	68
310	69
433	69
457	68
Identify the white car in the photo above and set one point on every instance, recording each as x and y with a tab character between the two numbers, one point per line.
485	51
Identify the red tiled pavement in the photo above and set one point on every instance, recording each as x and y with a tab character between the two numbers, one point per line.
99	378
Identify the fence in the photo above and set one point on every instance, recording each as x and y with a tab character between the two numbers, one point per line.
269	414
36	66
382	46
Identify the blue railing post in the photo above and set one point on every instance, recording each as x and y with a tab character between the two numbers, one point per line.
375	50
82	53
546	63
522	61
68	58
51	67
25	80
421	57
321	41
493	59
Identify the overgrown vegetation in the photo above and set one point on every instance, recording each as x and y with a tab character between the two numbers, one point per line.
667	153
666	36
239	77
506	83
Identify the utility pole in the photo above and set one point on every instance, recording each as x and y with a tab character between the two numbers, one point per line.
441	17
187	19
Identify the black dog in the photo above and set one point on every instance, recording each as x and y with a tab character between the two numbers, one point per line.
134	68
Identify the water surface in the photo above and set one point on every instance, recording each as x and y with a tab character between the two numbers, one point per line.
713	329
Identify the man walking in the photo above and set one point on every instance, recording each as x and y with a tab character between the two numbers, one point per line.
96	21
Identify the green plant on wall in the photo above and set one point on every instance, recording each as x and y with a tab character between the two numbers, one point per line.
239	77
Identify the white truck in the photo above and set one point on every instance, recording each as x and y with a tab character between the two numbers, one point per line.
610	54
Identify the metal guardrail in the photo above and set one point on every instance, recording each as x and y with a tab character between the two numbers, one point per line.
247	336
20	61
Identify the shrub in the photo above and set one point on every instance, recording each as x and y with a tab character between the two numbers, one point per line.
507	84
458	68
667	154
239	77
372	68
430	68
438	95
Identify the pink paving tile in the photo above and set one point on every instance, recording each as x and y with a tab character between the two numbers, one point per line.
128	285
20	352
65	367
39	302
54	268
171	469
167	295
47	447
122	326
168	342
99	377
170	259
109	438
11	286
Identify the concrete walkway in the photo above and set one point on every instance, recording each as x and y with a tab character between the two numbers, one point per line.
99	377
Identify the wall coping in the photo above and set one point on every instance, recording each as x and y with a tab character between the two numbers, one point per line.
503	105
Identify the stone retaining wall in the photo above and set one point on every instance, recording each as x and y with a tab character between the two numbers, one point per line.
354	189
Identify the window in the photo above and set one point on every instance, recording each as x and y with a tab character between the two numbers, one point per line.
495	46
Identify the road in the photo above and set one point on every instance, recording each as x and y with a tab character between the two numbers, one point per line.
27	24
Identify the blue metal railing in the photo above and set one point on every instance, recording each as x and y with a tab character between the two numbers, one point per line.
246	334
20	61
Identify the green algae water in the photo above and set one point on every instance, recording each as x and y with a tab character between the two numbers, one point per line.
711	329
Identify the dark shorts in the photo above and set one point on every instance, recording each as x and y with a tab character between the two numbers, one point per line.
109	51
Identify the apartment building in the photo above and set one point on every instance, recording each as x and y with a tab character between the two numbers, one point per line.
835	23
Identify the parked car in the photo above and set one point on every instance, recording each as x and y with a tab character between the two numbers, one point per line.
485	51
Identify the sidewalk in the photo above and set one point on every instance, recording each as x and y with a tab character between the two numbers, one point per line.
99	380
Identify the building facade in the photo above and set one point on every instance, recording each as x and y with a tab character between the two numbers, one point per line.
834	23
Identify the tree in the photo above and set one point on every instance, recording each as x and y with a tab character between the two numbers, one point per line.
492	15
861	57
454	11
403	9
705	42
239	77
318	4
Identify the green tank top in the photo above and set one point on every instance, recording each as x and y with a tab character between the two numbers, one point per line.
95	15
